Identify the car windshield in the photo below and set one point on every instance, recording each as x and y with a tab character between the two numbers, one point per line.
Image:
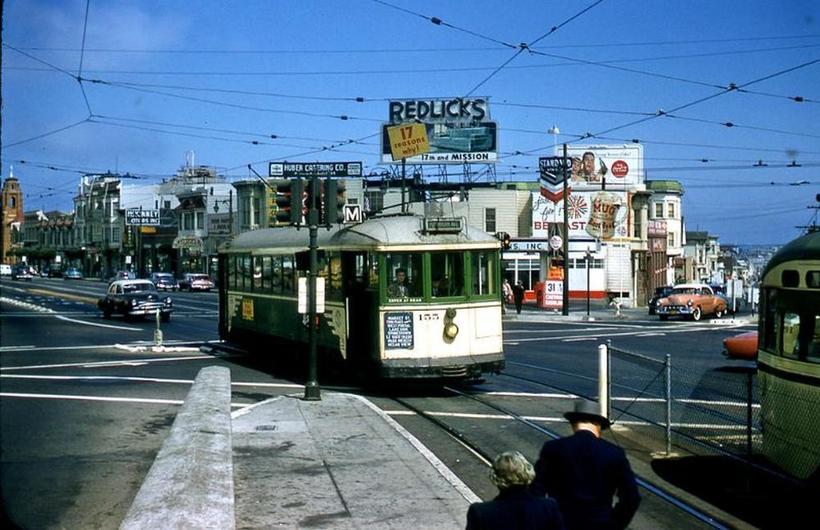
163	276
199	277
138	287
685	290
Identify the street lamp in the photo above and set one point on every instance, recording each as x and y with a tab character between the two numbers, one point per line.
554	131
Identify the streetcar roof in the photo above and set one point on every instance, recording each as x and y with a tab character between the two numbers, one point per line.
399	232
801	249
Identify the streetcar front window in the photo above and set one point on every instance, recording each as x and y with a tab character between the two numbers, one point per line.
483	275
447	273
405	271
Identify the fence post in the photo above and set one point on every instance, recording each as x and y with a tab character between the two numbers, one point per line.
668	378
609	378
603	379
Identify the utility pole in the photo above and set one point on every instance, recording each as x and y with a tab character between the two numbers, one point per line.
565	294
312	390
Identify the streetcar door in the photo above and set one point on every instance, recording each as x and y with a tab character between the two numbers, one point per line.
362	303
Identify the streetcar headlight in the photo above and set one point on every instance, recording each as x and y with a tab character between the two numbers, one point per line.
450	330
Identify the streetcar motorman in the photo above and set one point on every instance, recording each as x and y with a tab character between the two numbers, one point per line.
583	472
399	287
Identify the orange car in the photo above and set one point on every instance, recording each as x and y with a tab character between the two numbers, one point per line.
691	300
743	346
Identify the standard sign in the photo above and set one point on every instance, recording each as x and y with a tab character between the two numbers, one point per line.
137	216
409	139
323	169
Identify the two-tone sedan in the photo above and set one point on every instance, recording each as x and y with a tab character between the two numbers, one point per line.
133	298
691	300
196	282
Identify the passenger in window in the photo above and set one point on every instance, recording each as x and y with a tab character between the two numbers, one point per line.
443	287
399	288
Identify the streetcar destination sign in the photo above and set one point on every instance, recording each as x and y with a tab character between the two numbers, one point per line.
310	169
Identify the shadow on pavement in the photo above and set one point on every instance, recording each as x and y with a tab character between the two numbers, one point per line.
760	498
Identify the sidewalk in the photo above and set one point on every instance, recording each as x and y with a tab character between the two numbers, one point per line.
338	463
600	311
343	463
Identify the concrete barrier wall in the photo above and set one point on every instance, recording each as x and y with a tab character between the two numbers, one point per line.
190	484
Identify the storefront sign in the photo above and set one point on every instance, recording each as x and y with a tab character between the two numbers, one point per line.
141	216
322	169
530	245
193	244
219	224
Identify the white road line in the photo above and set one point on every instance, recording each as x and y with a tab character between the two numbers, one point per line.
580	339
110	326
532	394
625	334
74	397
139	379
104	364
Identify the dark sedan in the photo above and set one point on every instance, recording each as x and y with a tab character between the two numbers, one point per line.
22	272
164	281
660	292
132	298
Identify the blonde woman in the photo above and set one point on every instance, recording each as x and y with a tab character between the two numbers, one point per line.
515	508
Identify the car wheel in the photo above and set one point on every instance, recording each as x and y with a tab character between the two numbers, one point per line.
696	314
664	317
719	313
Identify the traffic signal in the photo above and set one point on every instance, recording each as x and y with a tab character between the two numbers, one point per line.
505	239
333	201
289	201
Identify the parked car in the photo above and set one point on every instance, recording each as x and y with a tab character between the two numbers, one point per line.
5	269
660	292
73	274
22	272
164	281
691	300
131	298
52	272
742	346
124	275
196	282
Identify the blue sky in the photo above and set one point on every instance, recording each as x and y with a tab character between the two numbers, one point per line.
221	78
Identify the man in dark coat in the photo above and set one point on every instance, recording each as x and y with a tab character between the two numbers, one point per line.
518	296
515	508
583	473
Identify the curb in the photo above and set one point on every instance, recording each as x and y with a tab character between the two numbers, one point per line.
191	483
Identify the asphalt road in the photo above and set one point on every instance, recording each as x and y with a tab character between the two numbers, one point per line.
86	404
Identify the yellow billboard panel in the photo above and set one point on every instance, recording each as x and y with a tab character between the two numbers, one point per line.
407	140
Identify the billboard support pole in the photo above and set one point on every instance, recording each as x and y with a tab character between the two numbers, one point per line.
403	165
565	294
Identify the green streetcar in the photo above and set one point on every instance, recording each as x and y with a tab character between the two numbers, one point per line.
404	296
788	359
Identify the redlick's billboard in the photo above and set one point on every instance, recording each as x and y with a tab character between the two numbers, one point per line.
459	130
617	166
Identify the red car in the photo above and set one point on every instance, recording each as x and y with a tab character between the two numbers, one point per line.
742	346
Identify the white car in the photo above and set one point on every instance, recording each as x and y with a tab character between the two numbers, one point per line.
5	269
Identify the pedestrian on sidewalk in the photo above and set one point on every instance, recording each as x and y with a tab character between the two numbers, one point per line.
507	292
515	507
583	472
518	295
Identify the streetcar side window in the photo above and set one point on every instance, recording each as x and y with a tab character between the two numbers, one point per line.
266	273
245	273
276	273
335	280
231	271
447	274
257	273
287	274
483	274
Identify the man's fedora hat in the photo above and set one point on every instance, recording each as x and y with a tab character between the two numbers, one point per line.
586	410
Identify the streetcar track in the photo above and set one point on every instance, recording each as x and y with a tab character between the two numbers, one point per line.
486	458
